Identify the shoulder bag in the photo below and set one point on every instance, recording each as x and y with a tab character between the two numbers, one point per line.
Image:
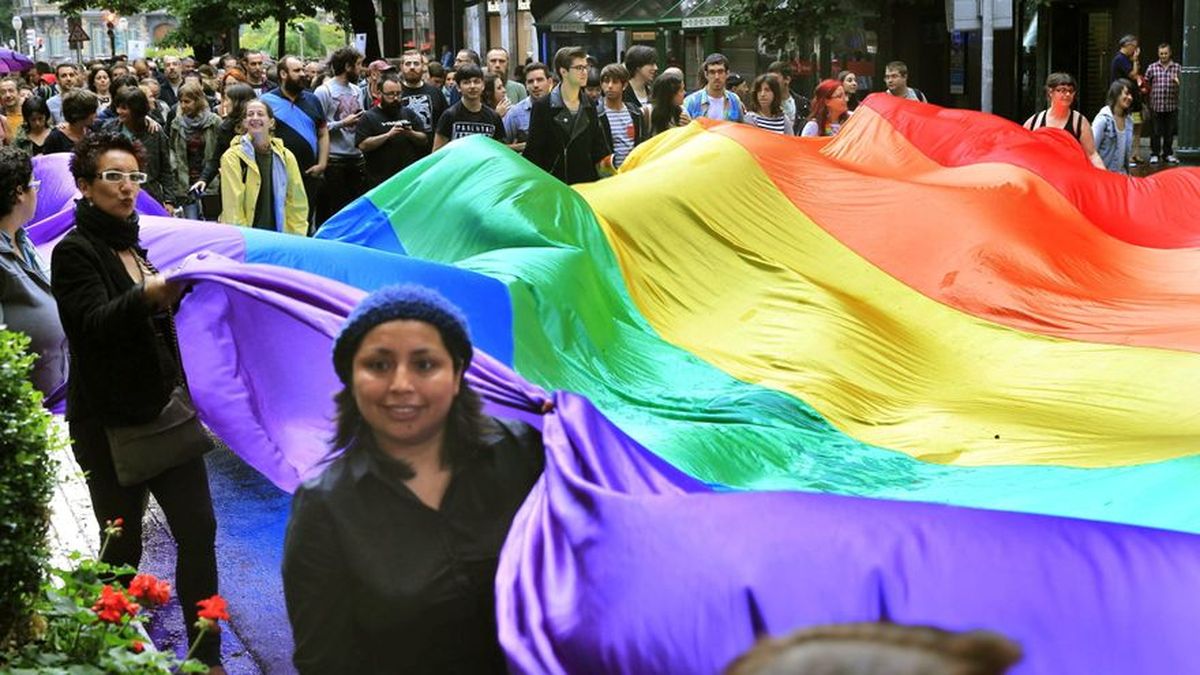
142	451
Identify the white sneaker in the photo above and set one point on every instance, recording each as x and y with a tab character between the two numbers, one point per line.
1154	159
1172	159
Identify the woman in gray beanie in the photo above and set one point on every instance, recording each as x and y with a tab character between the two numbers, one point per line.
390	554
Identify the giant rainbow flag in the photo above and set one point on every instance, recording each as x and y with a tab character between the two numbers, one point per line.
934	370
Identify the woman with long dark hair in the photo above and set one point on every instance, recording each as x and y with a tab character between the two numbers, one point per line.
829	110
765	105
495	96
850	84
133	112
233	107
116	310
408	521
666	104
98	82
1112	129
35	129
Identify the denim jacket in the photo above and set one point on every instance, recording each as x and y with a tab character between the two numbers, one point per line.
1113	146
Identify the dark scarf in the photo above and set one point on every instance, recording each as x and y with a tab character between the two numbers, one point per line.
119	234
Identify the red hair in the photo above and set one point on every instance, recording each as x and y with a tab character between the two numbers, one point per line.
820	103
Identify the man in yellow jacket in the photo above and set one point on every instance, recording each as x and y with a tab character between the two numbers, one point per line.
276	203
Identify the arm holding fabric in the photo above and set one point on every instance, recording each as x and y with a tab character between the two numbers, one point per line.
84	305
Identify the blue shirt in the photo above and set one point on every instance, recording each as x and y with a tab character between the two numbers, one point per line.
516	122
32	262
298	124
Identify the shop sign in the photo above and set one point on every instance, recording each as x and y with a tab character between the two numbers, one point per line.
642	36
523	5
568	28
706	21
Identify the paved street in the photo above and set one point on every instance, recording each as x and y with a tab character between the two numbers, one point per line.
251	515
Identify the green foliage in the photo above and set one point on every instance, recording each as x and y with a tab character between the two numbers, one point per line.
789	24
320	39
27	440
202	21
71	637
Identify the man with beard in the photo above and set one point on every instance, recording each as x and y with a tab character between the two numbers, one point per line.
341	98
389	134
170	81
516	122
256	73
423	99
300	124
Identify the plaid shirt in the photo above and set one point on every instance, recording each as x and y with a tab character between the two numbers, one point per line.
1164	90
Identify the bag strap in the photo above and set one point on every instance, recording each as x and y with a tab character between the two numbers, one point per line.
173	332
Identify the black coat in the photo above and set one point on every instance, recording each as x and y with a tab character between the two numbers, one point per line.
565	145
118	371
377	582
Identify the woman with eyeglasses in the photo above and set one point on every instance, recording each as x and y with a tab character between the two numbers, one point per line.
829	110
26	303
116	311
1060	91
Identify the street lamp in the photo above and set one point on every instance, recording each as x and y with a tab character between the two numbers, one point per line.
110	22
17	24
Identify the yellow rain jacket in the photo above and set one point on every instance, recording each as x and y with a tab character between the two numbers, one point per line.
240	183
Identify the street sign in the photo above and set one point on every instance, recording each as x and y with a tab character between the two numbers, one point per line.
75	31
568	28
706	21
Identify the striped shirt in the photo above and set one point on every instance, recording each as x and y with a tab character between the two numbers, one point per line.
778	125
621	124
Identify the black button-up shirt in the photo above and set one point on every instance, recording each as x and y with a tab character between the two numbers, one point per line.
378	582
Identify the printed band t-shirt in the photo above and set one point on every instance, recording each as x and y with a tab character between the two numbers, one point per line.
459	122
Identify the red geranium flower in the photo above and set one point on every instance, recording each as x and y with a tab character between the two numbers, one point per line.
137	646
150	590
213	609
113	604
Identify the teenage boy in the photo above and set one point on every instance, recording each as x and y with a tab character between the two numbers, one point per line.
714	101
468	117
641	62
620	120
565	138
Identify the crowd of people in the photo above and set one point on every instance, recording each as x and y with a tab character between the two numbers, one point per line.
1136	96
412	509
254	143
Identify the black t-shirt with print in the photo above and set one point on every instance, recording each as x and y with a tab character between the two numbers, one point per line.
458	122
427	102
398	152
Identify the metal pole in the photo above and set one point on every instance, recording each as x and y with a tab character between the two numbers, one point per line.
986	54
1189	86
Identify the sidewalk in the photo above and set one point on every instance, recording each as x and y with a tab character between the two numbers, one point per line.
73	528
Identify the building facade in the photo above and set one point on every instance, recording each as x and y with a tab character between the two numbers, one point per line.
49	24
